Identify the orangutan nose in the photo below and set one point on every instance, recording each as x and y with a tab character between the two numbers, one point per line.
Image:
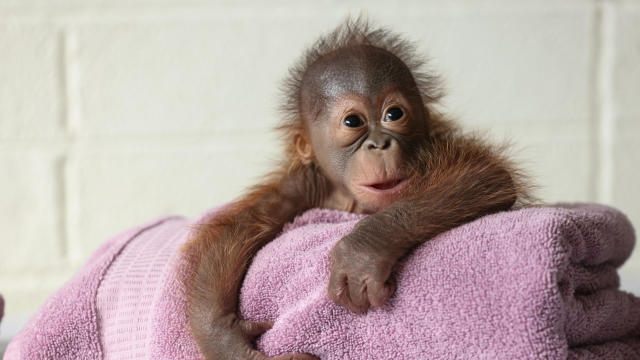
379	142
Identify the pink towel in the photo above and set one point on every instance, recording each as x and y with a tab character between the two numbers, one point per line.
67	326
528	284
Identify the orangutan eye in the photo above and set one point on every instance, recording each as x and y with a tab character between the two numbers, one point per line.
393	114
353	121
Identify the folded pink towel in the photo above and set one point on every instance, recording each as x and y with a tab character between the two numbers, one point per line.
537	283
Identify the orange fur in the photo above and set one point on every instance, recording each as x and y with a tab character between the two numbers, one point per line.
457	178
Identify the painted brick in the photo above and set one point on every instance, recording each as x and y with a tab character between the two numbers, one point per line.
626	121
626	178
30	210
630	274
180	78
559	162
510	63
626	68
117	187
25	291
190	77
561	170
29	81
560	167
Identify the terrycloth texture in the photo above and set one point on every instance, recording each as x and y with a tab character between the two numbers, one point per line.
538	283
124	334
67	326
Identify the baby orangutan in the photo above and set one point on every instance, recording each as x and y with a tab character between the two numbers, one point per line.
361	136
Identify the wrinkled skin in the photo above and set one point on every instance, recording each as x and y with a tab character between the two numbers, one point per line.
360	277
352	83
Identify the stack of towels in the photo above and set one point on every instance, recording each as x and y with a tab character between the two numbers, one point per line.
537	283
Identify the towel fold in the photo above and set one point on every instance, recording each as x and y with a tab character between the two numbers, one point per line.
530	284
537	283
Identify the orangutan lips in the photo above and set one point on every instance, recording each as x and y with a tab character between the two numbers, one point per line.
387	185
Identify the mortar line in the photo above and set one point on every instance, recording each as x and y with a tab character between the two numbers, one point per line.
71	103
605	112
594	152
62	80
59	166
61	177
71	81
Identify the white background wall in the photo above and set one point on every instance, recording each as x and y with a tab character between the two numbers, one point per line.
115	112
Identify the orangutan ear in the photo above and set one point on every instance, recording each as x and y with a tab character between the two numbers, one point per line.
304	149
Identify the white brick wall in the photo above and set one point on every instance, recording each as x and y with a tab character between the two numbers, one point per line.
115	112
